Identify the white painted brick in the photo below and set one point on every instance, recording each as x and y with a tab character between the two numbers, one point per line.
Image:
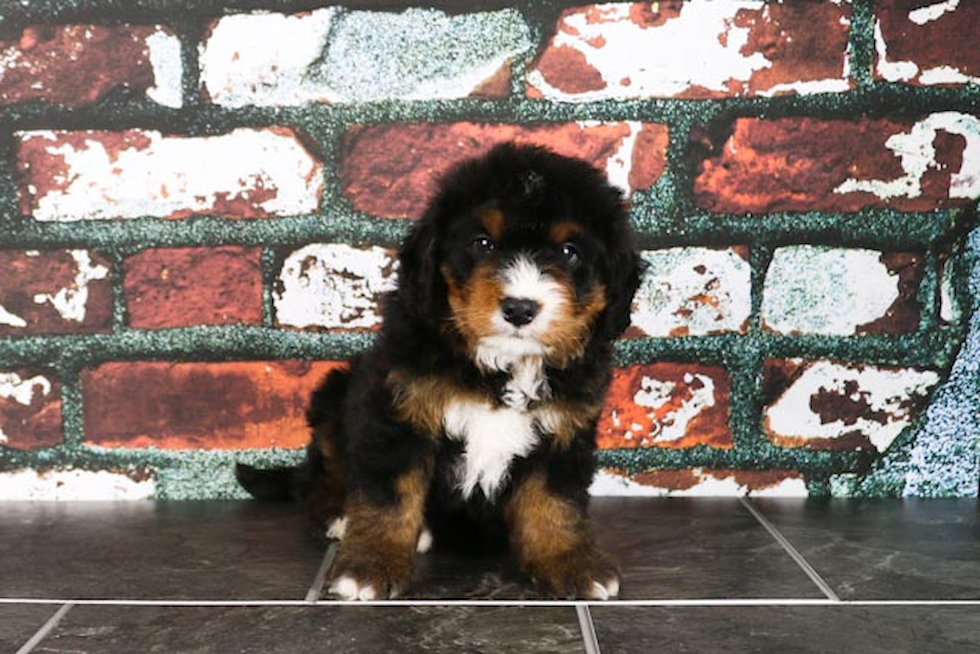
829	401
702	48
693	291
825	290
49	485
332	55
121	175
708	483
333	286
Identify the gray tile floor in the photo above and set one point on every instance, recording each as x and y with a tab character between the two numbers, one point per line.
711	575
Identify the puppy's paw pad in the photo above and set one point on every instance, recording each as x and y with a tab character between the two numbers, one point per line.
349	589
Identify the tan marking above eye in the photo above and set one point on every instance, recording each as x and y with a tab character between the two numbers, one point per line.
562	231
492	220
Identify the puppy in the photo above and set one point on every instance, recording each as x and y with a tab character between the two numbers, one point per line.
472	419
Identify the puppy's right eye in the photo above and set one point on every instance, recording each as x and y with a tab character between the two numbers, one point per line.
482	244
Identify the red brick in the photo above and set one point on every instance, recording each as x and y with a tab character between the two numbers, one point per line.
923	47
694	50
75	65
674	405
800	164
391	170
180	406
54	292
193	286
30	410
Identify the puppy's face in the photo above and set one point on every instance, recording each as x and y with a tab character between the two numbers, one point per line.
522	253
521	285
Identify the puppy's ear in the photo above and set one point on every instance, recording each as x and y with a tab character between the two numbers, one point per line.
625	272
419	283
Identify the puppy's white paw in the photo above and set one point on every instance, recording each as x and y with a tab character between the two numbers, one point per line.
605	591
349	589
337	529
425	542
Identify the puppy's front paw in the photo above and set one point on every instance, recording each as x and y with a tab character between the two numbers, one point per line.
370	579
584	573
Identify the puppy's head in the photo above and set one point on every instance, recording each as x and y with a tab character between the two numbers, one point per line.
522	253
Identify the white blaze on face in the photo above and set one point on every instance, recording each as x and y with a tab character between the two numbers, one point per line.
522	279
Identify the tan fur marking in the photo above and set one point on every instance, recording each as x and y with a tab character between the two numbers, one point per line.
562	420
474	303
542	525
492	220
562	231
422	401
570	333
379	545
553	541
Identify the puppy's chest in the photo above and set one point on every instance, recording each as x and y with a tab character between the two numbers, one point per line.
493	435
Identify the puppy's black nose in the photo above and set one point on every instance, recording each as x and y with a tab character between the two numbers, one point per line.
519	311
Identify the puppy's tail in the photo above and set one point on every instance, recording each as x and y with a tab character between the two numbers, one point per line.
269	484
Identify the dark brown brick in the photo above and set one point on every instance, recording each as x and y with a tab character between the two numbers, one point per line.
924	46
182	406
74	65
801	164
391	170
193	286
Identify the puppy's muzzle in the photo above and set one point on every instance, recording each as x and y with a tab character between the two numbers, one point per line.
519	311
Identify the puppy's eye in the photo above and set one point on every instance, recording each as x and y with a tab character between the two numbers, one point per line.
482	244
571	254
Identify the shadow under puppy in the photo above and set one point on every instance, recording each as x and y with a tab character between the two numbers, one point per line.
473	416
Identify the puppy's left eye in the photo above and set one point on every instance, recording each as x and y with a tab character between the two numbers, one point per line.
482	244
570	253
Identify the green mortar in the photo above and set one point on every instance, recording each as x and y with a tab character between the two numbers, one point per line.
664	216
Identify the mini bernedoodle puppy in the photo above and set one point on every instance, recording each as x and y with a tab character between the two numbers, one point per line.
473	416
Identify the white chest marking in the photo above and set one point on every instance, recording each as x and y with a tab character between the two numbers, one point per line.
492	437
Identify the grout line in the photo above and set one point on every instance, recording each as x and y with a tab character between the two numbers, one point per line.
313	594
792	551
665	603
46	629
588	629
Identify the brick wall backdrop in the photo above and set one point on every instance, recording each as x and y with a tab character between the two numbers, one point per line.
200	201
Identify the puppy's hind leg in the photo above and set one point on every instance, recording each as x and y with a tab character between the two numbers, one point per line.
323	482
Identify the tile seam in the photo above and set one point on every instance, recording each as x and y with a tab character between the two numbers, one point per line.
663	603
316	588
792	551
45	629
587	627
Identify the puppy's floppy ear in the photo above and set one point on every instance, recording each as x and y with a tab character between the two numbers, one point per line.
625	271
420	286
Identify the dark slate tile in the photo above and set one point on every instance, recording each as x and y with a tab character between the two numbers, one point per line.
352	630
448	575
695	548
666	548
802	630
886	549
143	550
19	623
